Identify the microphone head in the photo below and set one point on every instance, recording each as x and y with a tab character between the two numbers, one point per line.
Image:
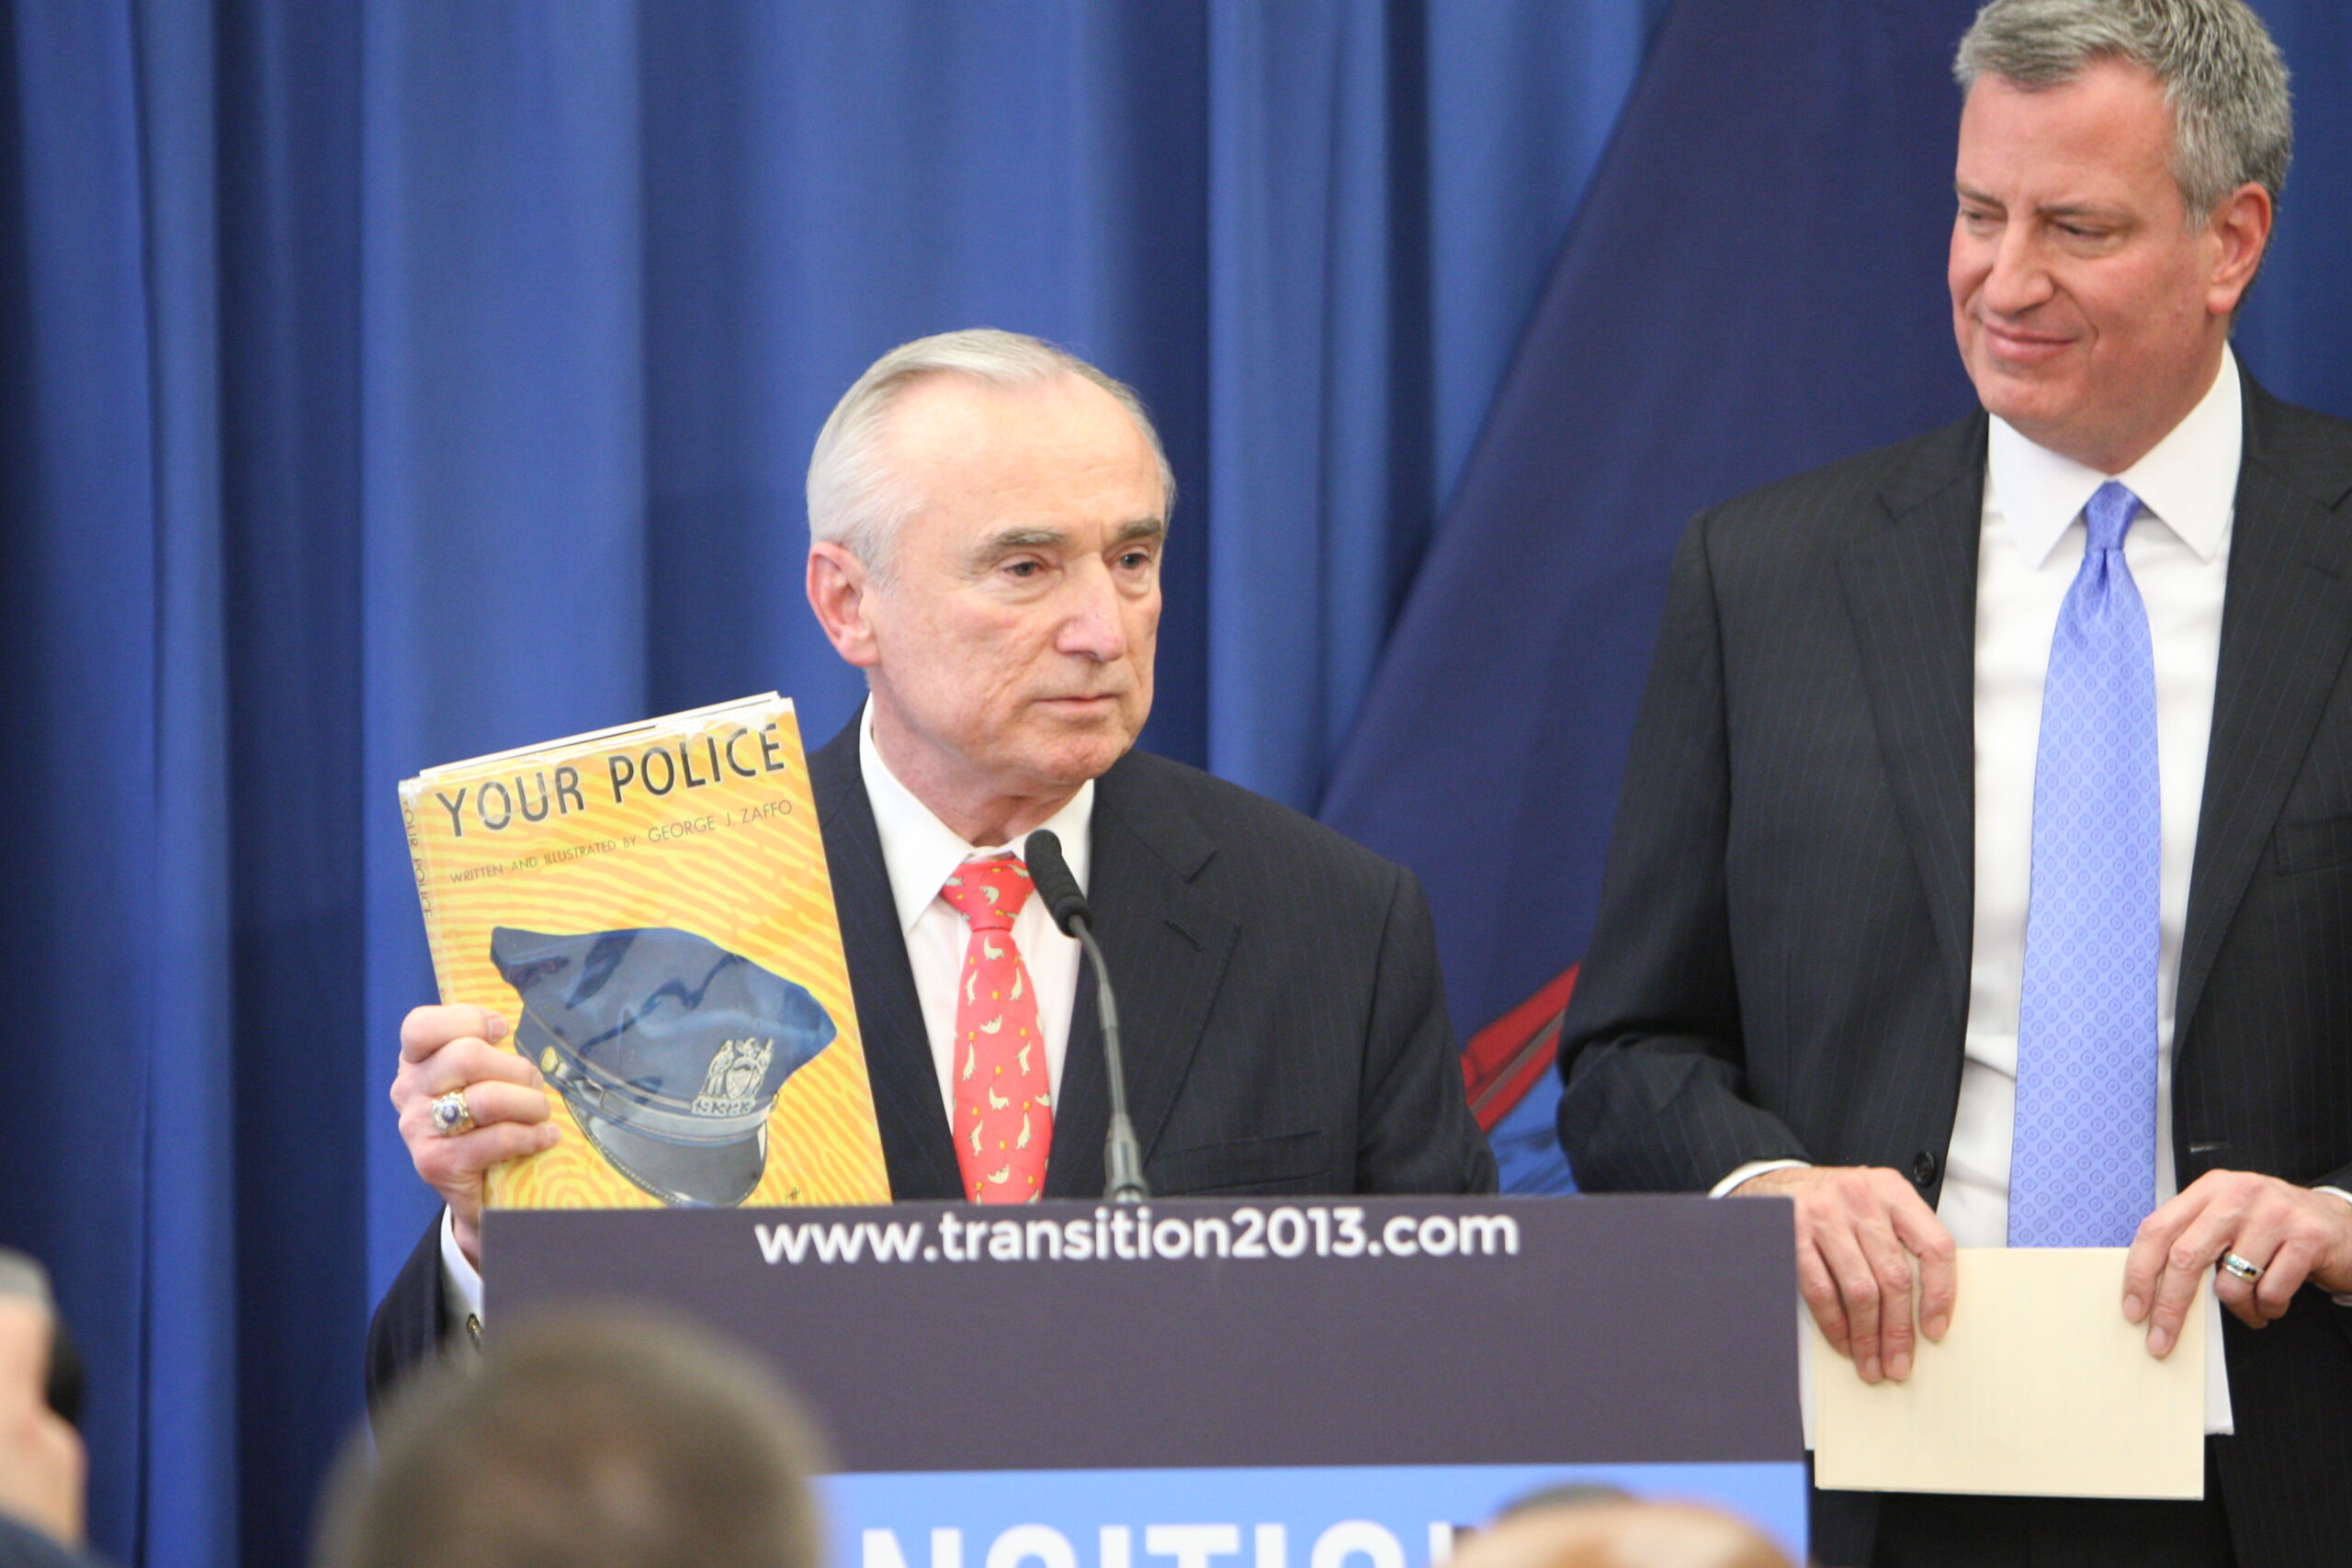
1056	886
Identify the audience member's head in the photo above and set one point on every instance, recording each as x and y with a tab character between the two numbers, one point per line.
41	1459
1603	1532
1563	1495
609	1439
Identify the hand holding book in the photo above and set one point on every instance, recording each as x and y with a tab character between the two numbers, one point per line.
454	1050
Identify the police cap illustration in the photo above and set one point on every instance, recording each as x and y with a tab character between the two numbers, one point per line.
668	1048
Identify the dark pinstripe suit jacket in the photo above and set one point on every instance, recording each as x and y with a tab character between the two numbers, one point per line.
1780	967
1279	999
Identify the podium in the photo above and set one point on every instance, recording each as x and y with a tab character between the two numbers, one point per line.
1209	1383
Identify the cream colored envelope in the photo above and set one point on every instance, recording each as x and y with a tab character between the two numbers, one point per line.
2040	1389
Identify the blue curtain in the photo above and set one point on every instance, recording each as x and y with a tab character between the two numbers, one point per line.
385	383
1782	309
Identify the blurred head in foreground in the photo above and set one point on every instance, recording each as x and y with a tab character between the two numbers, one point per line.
605	1439
1603	1533
41	1458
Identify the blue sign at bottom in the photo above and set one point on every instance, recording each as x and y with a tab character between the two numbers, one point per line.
1353	1517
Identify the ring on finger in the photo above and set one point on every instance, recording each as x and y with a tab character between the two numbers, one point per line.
2244	1268
451	1115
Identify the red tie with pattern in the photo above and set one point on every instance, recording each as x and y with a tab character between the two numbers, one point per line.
1004	1114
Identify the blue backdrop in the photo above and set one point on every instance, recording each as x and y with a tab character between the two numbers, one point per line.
385	383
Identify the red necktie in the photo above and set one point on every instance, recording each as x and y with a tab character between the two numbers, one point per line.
1004	1114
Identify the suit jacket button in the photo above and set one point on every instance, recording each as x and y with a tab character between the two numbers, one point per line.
1923	1168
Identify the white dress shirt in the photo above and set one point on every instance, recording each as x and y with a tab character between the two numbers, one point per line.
921	852
2031	546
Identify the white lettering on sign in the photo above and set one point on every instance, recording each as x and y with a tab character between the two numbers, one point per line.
1351	1543
1289	1232
1192	1545
1352	1538
1043	1542
881	1550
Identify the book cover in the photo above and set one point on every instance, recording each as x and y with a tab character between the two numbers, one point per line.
649	908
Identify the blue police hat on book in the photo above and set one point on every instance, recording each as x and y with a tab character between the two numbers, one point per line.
668	1048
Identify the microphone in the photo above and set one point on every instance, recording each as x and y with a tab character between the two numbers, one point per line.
1122	1156
1051	875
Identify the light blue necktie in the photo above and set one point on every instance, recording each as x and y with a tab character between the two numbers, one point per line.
2082	1172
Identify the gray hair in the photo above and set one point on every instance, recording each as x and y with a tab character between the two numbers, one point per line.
23	1276
2222	75
853	498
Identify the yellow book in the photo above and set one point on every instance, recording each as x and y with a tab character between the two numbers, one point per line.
649	908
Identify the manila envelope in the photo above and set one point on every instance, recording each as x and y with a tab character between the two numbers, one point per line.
2040	1388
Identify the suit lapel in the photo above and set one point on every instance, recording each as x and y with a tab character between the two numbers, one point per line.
2284	633
1167	946
1911	592
898	1048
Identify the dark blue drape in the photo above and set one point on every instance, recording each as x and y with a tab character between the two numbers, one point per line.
385	383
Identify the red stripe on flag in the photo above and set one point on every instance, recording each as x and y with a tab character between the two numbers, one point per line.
1504	1060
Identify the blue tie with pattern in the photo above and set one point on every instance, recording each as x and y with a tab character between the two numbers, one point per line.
2082	1171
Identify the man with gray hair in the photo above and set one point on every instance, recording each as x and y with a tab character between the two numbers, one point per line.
987	515
1985	872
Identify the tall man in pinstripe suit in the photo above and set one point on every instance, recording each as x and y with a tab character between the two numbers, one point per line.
1998	784
987	515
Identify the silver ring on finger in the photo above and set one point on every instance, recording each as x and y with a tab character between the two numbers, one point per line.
451	1115
2245	1269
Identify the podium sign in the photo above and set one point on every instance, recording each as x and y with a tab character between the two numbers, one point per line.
1200	1383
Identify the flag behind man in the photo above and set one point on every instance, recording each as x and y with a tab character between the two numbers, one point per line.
1781	178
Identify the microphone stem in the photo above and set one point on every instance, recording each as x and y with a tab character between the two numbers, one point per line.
1122	1156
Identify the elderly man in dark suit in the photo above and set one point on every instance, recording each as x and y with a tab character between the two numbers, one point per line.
987	518
1985	871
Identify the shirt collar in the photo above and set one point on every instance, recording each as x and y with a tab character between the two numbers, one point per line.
2188	482
920	851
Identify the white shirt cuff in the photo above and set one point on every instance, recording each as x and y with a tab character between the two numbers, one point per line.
463	1282
1754	1168
2343	1301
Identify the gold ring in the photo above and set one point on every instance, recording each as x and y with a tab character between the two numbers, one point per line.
451	1114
